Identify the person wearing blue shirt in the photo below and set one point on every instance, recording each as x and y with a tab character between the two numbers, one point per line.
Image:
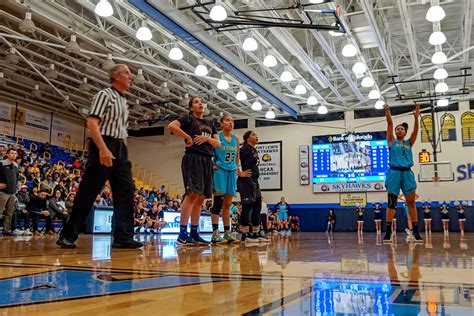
400	176
282	208
225	180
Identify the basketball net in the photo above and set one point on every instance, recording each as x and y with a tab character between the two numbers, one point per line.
436	180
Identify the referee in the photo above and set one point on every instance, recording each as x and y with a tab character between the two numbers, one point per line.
108	160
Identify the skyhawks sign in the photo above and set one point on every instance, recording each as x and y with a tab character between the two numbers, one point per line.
375	186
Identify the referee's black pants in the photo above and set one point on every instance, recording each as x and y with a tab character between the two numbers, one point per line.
93	180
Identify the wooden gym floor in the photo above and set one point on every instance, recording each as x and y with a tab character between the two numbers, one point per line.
304	274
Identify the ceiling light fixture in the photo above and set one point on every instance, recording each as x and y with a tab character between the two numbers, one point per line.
201	70
72	47
435	14
359	68
270	115
440	74
108	63
300	89
312	100
11	57
104	9
144	33
322	109
442	102
36	92
257	106
218	12
3	80
367	82
374	94
139	78
250	44
27	25
380	104
84	86
316	1
223	84
349	50
270	60
175	53
439	58
286	76
66	102
241	95
51	74
441	87
437	38
164	90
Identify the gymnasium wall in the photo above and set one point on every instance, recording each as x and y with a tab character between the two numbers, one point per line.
163	155
42	126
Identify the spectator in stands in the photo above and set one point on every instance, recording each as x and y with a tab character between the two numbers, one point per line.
8	185
23	196
154	222
21	152
139	217
100	201
2	151
57	207
61	187
39	210
162	189
21	215
70	202
76	164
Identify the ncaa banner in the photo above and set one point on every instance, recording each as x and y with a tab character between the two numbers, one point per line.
375	186
271	176
38	120
5	112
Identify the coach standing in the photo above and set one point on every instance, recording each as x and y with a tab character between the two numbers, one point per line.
8	182
108	160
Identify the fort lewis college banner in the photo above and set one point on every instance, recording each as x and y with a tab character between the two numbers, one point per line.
271	176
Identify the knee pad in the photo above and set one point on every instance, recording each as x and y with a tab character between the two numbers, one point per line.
392	201
217	204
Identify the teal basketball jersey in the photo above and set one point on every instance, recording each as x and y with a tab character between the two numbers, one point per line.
401	154
226	153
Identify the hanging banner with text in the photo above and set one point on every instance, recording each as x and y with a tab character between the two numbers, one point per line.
271	176
353	199
426	129
467	128
5	112
448	127
38	120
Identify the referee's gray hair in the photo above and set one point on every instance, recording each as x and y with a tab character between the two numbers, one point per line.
113	70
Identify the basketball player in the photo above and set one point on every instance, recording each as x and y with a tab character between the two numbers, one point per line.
201	138
461	215
427	216
360	219
400	175
225	180
282	209
444	208
409	228
378	217
249	189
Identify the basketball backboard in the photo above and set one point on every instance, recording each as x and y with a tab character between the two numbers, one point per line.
436	172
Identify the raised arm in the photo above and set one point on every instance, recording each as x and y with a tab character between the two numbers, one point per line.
414	133
175	128
388	116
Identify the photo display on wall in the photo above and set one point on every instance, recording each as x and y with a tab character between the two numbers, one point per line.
304	164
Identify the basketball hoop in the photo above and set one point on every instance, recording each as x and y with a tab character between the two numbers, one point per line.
436	180
338	10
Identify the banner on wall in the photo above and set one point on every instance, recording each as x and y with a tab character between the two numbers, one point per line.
448	127
375	186
18	115
353	199
38	120
271	176
467	129
304	164
426	129
5	112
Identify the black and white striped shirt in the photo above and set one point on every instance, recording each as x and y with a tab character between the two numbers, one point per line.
111	107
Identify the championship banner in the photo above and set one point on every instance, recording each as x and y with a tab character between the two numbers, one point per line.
448	127
5	112
38	120
375	186
467	128
353	199
271	176
426	129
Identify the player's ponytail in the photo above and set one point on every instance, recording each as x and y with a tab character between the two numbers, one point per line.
404	125
246	136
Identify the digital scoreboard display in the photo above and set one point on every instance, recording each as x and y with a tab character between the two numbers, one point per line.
350	158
